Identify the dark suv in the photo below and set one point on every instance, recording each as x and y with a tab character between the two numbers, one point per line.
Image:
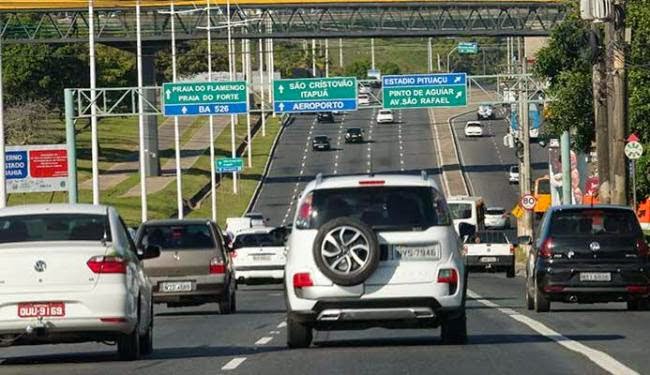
325	117
354	135
588	254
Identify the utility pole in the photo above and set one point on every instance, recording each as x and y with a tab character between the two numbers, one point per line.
327	58
372	52
617	103
599	79
525	224
313	57
341	52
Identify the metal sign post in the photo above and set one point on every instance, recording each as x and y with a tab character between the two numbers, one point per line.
633	151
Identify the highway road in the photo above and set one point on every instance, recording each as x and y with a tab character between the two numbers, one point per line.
504	338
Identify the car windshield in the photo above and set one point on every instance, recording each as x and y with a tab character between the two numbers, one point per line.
514	169
178	237
460	210
589	222
385	112
320	138
54	227
257	240
383	208
495	211
473	125
354	131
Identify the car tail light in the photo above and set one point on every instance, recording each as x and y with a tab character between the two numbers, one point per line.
638	289
512	249
642	248
113	320
553	289
217	266
371	182
107	264
546	250
302	280
448	276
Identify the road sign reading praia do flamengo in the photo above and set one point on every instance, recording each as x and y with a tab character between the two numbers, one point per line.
204	98
315	94
425	91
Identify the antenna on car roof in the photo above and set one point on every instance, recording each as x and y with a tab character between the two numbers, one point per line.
319	178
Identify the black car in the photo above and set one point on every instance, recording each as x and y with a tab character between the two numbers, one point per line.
320	143
325	117
354	135
588	254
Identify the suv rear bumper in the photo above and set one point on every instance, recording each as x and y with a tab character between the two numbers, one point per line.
479	261
345	314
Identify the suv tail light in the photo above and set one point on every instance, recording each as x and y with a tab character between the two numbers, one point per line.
217	266
449	276
642	248
546	250
302	280
107	264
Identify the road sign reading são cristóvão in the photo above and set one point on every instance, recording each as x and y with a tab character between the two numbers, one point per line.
425	91
315	95
204	98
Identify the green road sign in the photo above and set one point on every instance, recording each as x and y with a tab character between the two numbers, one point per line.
204	98
467	47
425	91
315	94
230	165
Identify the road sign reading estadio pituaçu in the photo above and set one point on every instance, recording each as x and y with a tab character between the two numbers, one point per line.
228	165
425	91
315	95
204	98
633	150
528	202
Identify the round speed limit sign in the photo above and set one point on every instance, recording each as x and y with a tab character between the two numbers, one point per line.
528	202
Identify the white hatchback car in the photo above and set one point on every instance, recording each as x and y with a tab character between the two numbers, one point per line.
363	99
374	251
71	273
385	116
258	255
513	174
496	217
473	129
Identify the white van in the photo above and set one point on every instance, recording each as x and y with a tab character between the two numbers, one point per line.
467	209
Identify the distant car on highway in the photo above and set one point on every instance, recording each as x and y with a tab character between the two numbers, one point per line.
374	251
364	89
194	267
71	273
363	99
354	135
588	254
259	255
497	218
473	129
320	143
485	112
325	117
385	116
490	251
513	174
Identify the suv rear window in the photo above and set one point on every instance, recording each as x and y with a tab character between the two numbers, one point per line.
495	211
599	221
257	240
460	210
54	227
383	208
178	237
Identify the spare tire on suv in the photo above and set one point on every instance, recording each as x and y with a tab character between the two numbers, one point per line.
346	251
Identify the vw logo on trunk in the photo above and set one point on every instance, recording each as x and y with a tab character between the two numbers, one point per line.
40	266
594	246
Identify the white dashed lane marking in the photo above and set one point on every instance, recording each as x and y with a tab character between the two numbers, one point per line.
264	340
233	363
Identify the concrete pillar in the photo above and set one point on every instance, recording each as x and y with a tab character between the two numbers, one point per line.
152	162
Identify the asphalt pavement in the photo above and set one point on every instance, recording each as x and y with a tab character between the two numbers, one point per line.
504	338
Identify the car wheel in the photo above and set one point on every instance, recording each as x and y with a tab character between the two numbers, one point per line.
146	341
530	302
453	331
541	303
128	346
226	305
510	273
346	251
298	335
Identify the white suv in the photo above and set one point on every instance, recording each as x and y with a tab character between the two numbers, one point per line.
374	251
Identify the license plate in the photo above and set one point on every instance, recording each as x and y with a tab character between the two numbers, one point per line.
417	252
184	286
261	258
45	309
595	276
488	259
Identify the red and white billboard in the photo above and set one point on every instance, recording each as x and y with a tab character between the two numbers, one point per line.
45	170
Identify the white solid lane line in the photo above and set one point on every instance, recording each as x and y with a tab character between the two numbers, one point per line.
282	324
233	364
264	340
602	359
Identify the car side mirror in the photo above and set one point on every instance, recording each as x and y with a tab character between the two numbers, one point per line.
466	230
524	240
149	252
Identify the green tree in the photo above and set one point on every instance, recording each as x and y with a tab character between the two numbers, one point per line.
115	67
192	58
358	69
389	68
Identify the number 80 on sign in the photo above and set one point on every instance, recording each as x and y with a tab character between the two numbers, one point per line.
528	202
